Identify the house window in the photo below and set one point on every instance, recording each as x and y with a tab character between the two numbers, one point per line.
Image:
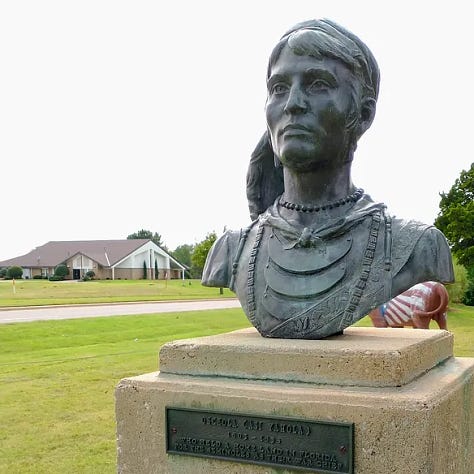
44	272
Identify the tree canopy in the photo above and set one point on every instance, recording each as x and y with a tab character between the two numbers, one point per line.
14	272
148	234
456	217
183	253
201	250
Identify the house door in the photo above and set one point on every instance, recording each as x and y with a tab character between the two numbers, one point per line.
76	273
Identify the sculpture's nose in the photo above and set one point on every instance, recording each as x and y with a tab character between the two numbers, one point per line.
296	103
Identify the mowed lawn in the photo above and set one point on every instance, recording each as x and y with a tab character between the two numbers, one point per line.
44	292
57	381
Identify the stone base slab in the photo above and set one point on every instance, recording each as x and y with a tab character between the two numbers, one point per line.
359	357
423	426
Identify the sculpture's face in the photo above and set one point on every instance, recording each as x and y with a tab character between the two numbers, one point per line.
308	107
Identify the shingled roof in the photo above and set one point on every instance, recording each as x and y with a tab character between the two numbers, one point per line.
51	254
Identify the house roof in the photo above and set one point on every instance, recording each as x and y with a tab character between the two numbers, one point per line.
51	254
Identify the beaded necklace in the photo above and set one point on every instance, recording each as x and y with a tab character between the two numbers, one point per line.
354	197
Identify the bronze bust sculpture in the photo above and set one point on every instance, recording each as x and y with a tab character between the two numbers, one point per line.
319	254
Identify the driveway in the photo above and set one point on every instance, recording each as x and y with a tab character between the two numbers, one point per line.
22	315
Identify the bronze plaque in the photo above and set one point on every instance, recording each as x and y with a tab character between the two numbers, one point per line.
318	446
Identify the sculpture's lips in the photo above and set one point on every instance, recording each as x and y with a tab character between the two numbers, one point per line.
295	128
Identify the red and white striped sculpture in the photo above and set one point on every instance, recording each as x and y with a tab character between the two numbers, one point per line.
415	307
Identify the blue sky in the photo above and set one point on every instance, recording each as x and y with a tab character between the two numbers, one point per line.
118	115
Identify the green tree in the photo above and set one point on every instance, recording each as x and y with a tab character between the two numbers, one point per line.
183	254
148	234
456	221
14	272
456	217
198	258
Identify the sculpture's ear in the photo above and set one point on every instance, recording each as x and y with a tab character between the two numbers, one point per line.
367	114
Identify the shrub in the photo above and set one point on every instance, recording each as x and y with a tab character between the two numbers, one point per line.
37	277
86	278
3	272
457	289
55	278
468	298
61	271
14	272
90	274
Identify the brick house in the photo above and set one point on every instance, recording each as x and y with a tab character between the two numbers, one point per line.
108	259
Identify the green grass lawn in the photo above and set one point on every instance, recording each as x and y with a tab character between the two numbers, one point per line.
44	292
57	381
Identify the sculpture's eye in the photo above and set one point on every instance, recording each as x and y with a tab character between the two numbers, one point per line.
279	88
318	85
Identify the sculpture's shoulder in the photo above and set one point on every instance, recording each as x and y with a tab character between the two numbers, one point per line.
405	237
218	268
420	253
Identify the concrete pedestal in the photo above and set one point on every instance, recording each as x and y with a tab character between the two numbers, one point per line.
411	402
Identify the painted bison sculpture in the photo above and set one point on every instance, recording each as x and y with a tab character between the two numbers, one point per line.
415	307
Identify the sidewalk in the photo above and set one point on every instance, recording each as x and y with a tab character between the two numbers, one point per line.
43	313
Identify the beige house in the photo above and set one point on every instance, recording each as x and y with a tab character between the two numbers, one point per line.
108	259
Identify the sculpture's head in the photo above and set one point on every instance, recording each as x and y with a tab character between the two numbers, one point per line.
322	90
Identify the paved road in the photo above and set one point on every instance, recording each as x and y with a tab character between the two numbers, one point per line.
91	311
